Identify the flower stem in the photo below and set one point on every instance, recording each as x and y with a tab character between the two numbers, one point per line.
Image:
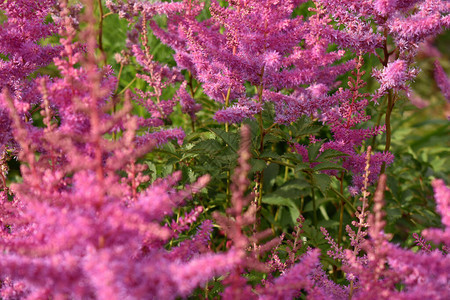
341	213
389	108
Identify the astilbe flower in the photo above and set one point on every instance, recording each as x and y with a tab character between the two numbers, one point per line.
442	195
375	266
238	112
21	33
422	243
409	22
346	138
22	54
187	102
158	76
368	25
418	101
384	265
295	276
422	274
394	77
77	228
259	46
442	80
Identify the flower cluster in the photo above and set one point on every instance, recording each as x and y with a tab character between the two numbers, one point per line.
91	217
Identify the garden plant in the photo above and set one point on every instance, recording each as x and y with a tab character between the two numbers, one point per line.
211	149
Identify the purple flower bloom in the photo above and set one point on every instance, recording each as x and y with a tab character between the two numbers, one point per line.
394	76
442	80
244	109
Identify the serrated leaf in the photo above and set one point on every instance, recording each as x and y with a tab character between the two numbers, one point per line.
319	201
281	134
303	127
307	130
313	234
330	153
293	157
302	166
269	154
271	138
257	165
322	181
152	169
313	151
207	147
327	166
167	170
270	174
297	184
230	138
328	223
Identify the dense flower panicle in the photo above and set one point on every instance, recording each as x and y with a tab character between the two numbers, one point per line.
87	220
430	17
162	137
24	28
22	55
85	230
294	280
238	112
326	288
132	8
418	101
183	223
343	121
442	80
195	246
409	22
386	265
188	104
422	243
442	195
264	53
394	76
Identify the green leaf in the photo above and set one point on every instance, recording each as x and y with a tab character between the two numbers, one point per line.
274	199
331	153
257	165
270	174
304	127
301	167
295	184
269	154
322	181
207	147
327	166
230	138
294	212
293	157
313	151
152	169
281	134
319	201
269	217
313	234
